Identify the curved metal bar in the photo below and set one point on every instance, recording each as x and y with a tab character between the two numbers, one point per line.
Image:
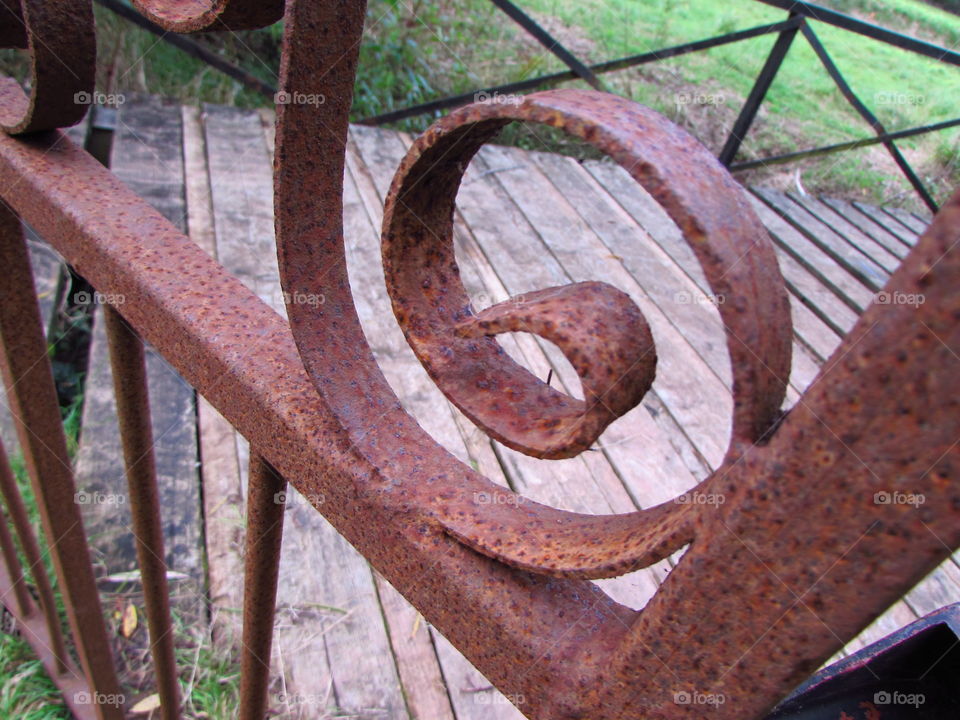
62	46
603	335
814	561
310	154
187	16
502	397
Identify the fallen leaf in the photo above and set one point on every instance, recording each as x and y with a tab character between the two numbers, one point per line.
129	624
148	704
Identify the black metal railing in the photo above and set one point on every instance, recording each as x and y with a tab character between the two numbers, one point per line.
797	22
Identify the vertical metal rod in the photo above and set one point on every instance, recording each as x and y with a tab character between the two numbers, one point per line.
851	97
128	363
31	551
33	399
764	80
9	550
266	502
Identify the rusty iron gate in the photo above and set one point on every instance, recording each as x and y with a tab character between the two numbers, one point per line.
798	559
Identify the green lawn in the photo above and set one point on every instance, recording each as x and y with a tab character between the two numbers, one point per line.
416	50
804	107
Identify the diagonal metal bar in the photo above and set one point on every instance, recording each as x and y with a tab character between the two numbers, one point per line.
604	67
31	552
549	42
832	17
9	550
192	48
35	630
839	147
764	80
33	397
867	115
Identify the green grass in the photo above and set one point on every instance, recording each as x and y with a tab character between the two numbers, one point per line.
25	689
209	671
417	50
26	692
803	108
215	689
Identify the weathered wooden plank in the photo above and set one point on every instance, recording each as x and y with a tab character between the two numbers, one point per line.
820	265
242	190
331	647
909	220
147	156
223	502
891	225
647	214
897	616
866	225
941	587
809	329
849	232
851	259
197	182
686	304
650	217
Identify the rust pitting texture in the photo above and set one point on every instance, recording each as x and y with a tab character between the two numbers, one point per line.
51	32
795	562
502	397
414	469
603	335
187	16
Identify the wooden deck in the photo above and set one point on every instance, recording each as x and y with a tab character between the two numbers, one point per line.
346	643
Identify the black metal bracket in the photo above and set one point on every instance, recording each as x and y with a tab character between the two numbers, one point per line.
764	80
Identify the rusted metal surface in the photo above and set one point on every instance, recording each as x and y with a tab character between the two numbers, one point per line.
33	401
796	559
60	40
128	364
185	16
504	398
909	674
266	502
600	331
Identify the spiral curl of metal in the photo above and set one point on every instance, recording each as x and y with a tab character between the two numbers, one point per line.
598	327
798	547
